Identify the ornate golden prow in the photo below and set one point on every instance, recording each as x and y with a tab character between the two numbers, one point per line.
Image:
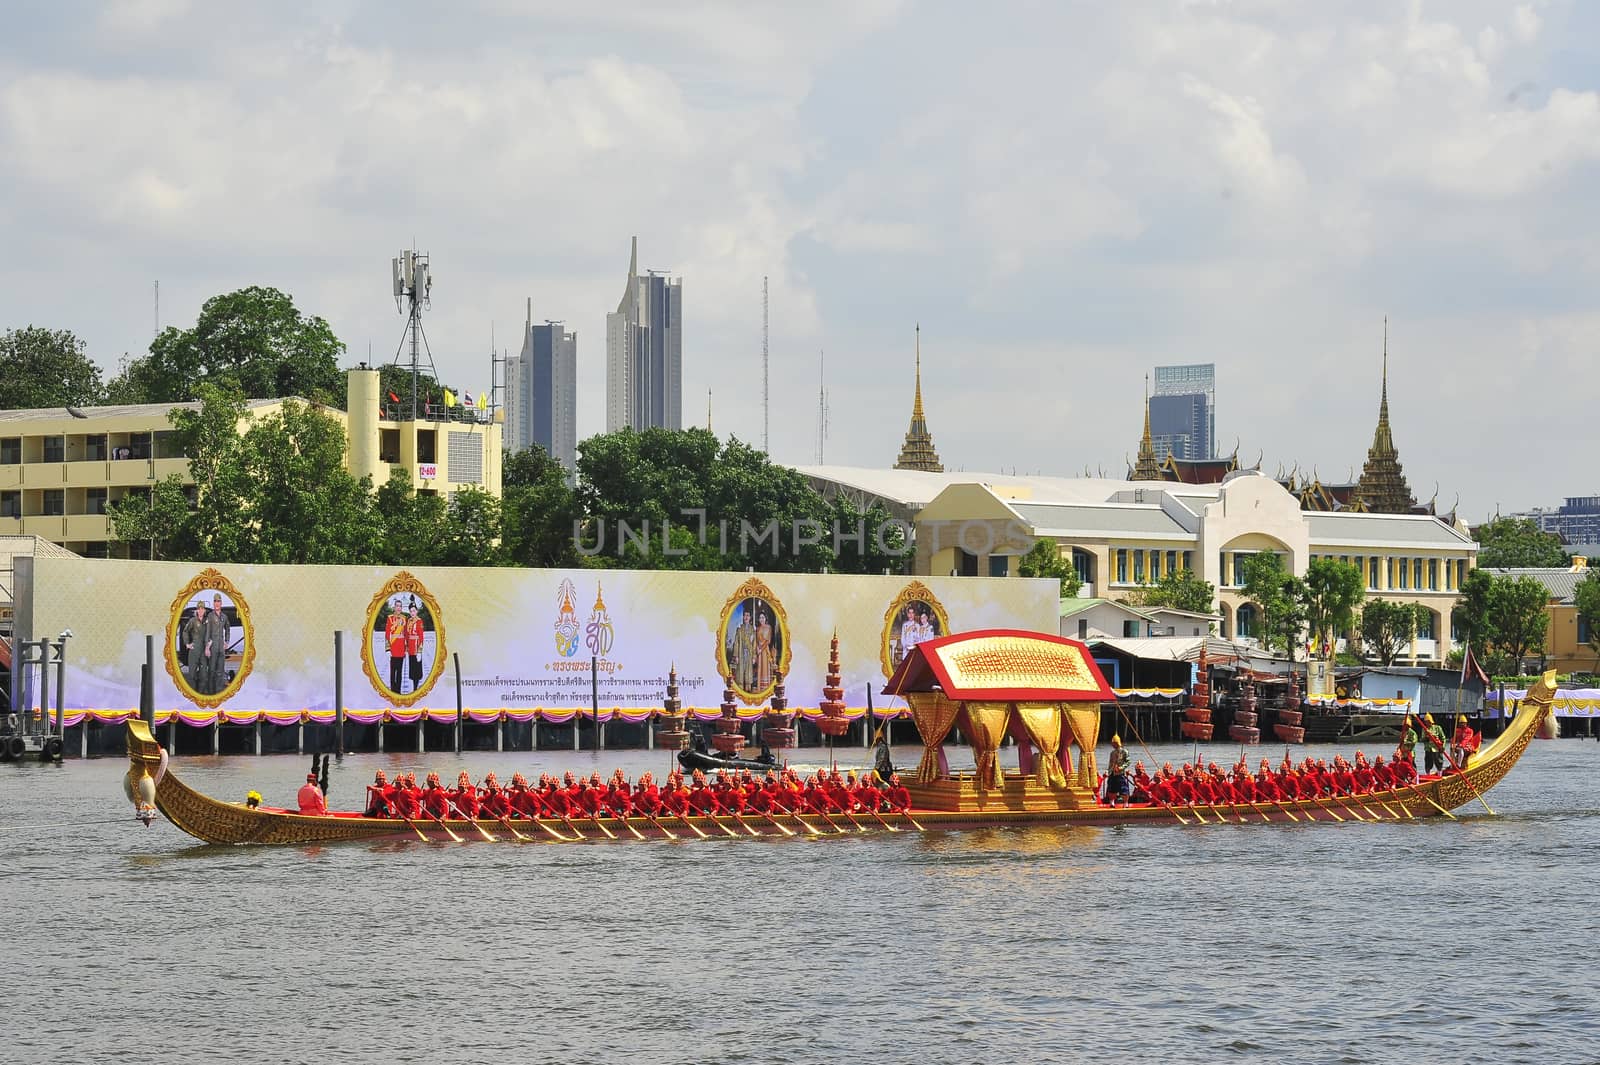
147	764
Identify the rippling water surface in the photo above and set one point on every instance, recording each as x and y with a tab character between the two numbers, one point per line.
1416	941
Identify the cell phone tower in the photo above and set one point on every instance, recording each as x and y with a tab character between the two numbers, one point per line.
413	283
822	408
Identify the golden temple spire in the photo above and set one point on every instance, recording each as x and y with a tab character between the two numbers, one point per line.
1146	469
918	453
1382	488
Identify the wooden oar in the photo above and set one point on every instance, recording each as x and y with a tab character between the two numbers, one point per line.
506	821
831	822
692	826
881	821
907	815
1403	810
745	825
1468	781
595	817
852	819
627	823
779	825
440	822
811	829
484	832
665	831
1167	807
1287	812
726	830
420	834
1328	806
1260	811
1429	800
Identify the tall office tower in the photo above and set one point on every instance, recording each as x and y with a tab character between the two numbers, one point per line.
644	352
1183	412
542	391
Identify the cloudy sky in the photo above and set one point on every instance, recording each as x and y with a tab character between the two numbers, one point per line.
1063	195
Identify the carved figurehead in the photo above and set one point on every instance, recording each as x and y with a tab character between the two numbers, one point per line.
147	764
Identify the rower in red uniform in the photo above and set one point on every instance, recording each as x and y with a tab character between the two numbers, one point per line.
1382	778
897	795
867	795
407	796
492	800
310	797
380	796
464	797
1142	783
619	797
1266	784
1344	776
435	800
675	796
1404	771
647	796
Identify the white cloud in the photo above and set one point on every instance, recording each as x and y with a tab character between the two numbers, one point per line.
1063	196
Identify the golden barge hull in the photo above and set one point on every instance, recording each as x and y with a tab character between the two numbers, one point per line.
1018	804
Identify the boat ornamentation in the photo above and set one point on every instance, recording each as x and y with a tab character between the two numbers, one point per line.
1043	691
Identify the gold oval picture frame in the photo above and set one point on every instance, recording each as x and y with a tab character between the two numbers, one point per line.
753	642
208	663
931	621
422	656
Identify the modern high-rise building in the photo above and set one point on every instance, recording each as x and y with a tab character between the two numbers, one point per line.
1577	521
1183	412
644	352
542	391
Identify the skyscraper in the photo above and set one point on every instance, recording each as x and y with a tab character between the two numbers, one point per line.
644	352
1183	412
542	391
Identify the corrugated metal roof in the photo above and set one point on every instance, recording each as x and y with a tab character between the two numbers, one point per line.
1562	582
1384	530
1107	519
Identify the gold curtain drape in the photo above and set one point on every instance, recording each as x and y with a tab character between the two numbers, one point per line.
987	727
1043	723
1084	721
934	714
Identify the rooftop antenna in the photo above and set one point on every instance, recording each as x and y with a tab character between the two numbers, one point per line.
413	283
497	373
766	443
158	309
822	407
708	410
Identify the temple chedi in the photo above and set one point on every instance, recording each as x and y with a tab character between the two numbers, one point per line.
1146	468
918	453
1382	487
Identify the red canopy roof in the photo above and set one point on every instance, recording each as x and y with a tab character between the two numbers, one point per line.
1005	665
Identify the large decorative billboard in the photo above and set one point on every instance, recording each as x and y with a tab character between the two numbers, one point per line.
241	640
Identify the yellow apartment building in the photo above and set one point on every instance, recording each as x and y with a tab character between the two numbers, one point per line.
1567	646
61	468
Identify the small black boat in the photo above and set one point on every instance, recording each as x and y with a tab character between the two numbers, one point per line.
700	759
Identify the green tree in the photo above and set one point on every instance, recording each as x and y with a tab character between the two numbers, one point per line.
1505	543
1181	589
1387	627
275	492
254	340
1044	559
1586	596
869	540
1280	596
1519	618
1471	616
413	526
154	525
46	368
473	530
539	510
1333	593
719	505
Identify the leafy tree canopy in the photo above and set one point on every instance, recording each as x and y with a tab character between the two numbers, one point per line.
1181	589
1280	595
46	368
1387	627
254	340
1333	593
1044	559
1515	542
1504	618
1587	598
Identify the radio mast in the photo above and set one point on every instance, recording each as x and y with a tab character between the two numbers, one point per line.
413	283
822	407
766	443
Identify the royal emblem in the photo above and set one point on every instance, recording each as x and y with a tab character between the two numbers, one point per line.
598	634
566	620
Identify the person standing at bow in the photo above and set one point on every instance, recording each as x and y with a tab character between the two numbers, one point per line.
310	797
1118	784
1432	745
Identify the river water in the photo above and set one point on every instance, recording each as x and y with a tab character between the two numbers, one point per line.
1407	942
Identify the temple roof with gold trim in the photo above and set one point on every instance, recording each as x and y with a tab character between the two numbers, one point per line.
1002	665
